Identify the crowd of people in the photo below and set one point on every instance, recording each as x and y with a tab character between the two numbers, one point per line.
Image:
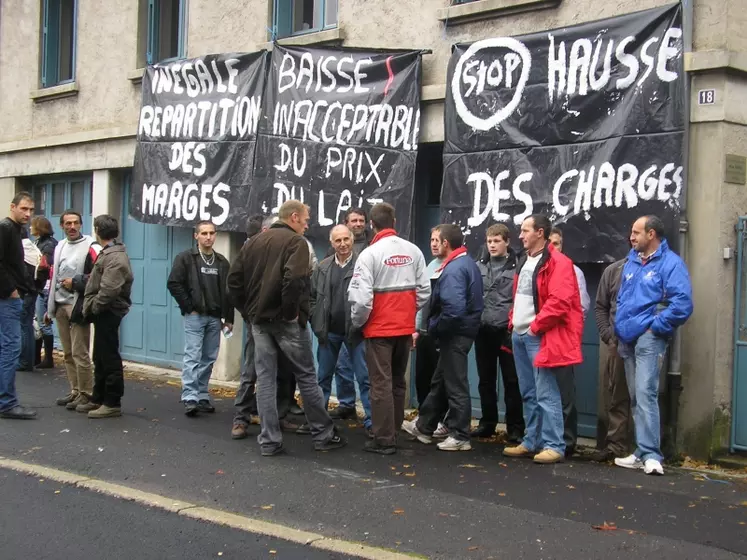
76	282
370	302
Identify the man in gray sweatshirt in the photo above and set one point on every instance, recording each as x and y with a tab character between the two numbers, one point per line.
74	258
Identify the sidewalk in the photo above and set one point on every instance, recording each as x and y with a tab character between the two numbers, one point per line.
441	505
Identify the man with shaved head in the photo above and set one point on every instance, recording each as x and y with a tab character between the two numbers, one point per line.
330	320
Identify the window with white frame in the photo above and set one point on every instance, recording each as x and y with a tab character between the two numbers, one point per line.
296	17
58	42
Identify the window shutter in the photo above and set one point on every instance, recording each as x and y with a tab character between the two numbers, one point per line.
153	17
283	18
50	43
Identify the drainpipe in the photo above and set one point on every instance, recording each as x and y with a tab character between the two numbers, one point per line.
674	375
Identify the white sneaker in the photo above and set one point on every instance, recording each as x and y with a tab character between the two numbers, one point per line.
412	429
441	431
652	466
629	462
452	444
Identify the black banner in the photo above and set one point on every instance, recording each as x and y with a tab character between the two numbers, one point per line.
339	128
584	124
196	140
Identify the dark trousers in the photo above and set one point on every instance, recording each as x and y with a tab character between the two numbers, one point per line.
28	340
246	396
614	422
491	347
449	390
566	377
386	359
108	376
426	360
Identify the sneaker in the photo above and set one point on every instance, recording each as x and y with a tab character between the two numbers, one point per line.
441	432
205	406
548	456
191	408
86	408
70	397
343	413
373	447
602	455
629	462
239	431
82	398
652	466
453	444
289	426
335	442
369	432
482	431
106	412
269	451
412	429
304	429
518	451
296	410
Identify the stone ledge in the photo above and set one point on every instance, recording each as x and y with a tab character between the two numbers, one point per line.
136	76
54	92
487	9
327	37
68	139
703	61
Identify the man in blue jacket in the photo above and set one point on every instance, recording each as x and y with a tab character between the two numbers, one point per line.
655	298
455	309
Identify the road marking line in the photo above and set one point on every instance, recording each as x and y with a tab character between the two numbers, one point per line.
240	522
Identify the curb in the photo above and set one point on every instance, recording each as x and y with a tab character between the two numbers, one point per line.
210	515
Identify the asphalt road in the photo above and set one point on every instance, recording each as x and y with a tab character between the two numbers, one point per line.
45	520
441	505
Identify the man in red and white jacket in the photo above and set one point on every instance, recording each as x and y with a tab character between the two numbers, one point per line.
388	287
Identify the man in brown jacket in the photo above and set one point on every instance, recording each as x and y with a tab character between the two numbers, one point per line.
107	301
614	421
270	284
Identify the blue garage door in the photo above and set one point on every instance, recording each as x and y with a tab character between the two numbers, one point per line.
152	332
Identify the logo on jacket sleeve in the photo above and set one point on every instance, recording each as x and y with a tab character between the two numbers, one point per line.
398	260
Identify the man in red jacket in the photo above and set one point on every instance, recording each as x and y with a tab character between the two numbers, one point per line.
547	323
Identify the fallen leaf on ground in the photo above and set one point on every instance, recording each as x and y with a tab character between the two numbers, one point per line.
469	466
267	507
174	383
502	494
219	471
571	487
410	474
743	504
504	465
620	507
273	552
56	491
442	514
406	466
398	511
473	548
605	527
742	523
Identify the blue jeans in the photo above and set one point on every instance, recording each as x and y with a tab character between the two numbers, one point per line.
201	345
41	308
10	350
336	354
643	361
540	394
28	340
